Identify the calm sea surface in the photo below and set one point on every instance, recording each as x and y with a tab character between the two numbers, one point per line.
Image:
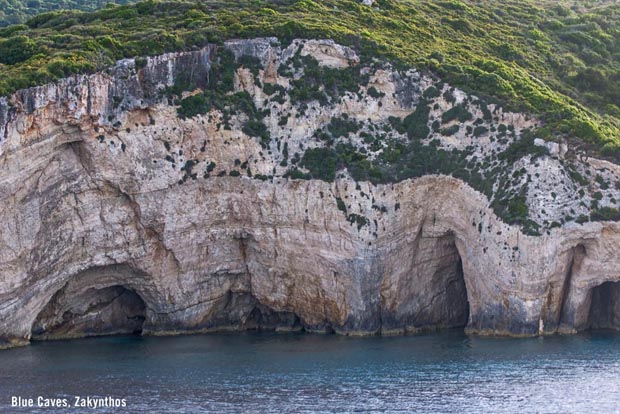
304	373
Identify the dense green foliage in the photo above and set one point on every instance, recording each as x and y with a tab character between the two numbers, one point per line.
18	11
553	59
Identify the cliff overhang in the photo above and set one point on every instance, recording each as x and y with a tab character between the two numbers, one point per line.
183	196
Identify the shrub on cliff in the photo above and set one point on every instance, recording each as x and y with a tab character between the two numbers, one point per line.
457	112
320	163
416	123
341	127
194	105
605	214
16	49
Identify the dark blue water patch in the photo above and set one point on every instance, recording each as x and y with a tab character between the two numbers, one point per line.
304	373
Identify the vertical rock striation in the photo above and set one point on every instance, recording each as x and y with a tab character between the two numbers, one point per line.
118	216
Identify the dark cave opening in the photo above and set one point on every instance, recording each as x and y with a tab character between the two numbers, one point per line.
453	304
605	307
246	312
263	318
114	310
431	294
440	285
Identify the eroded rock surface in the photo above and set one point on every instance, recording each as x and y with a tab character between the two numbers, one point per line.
106	311
117	215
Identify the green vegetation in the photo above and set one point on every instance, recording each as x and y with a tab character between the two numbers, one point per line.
321	83
194	105
341	127
341	205
416	123
321	163
360	221
188	171
521	148
451	130
218	94
550	58
456	112
18	11
480	130
374	93
605	214
396	159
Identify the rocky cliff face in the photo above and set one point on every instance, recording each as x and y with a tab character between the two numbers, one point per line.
256	186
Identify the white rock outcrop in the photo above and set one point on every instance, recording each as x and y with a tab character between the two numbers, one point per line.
99	211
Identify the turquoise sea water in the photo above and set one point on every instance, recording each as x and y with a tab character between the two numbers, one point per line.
305	373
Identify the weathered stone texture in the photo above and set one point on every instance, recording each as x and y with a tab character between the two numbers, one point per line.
84	223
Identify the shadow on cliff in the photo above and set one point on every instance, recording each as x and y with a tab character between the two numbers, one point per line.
111	310
430	291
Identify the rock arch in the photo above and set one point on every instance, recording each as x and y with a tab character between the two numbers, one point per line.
595	305
104	300
588	302
430	291
92	312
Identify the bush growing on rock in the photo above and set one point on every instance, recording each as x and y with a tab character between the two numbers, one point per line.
321	163
194	105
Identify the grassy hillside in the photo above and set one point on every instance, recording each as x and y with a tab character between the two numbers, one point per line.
18	11
553	59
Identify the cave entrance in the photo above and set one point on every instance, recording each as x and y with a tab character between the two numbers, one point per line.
605	307
245	312
449	303
429	292
72	313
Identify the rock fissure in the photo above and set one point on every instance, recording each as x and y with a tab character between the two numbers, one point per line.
577	255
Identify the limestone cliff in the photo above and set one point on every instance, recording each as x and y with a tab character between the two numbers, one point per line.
262	186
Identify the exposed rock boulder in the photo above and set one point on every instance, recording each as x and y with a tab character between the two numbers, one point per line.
329	53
